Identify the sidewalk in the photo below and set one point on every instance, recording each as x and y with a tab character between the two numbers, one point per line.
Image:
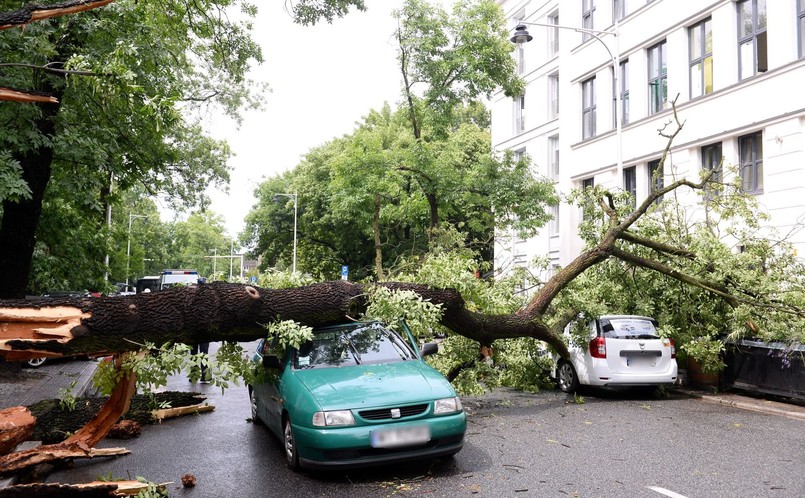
46	382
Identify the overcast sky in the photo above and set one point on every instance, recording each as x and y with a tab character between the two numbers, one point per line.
323	79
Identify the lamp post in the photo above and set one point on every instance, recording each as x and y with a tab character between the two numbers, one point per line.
521	36
295	198
128	245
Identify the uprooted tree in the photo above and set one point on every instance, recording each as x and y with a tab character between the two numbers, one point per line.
235	312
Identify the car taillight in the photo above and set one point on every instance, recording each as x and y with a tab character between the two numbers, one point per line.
669	343
598	347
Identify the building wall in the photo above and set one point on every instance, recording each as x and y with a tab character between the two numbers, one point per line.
770	102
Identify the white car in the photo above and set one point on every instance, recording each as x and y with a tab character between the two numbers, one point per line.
617	350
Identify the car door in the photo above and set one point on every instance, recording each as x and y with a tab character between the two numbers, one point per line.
267	393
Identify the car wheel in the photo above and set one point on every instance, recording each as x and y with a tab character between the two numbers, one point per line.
566	377
256	420
36	362
291	453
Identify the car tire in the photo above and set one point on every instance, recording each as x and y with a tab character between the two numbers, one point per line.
35	362
566	377
256	420
289	444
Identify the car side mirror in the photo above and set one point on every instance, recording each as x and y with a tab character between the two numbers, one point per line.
429	348
271	361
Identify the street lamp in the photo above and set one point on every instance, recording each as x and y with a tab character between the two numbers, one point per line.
128	245
521	36
295	198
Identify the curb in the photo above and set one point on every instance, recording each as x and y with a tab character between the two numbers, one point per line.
777	408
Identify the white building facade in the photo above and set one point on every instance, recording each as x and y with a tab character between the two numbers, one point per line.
735	67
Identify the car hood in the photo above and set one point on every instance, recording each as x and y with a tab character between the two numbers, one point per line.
365	386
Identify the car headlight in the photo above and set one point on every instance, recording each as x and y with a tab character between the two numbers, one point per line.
447	405
337	417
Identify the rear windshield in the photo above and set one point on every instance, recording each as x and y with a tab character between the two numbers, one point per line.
628	328
362	345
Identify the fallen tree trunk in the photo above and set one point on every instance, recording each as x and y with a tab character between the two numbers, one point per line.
222	312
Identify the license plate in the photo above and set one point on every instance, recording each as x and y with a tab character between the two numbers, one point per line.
403	436
640	361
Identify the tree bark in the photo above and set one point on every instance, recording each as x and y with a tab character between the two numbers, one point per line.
220	312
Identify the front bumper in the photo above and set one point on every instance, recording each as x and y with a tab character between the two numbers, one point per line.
349	447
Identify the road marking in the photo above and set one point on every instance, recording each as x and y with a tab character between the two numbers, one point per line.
665	492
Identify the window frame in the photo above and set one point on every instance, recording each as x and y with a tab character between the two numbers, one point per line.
553	157
801	27
657	183
630	183
757	34
588	108
658	80
623	83
753	164
553	224
587	18
711	156
553	33
553	95
518	105
618	10
704	27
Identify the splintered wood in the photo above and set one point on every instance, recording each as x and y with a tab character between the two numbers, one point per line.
37	325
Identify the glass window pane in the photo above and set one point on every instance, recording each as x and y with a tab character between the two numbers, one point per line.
745	26
802	36
761	14
696	80
762	59
695	42
708	37
747	59
708	75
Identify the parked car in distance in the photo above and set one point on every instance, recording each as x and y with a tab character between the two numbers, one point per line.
357	395
617	350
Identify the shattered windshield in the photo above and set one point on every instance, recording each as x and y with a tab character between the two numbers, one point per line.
361	345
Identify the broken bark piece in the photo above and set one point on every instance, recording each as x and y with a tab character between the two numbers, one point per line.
164	413
125	429
16	425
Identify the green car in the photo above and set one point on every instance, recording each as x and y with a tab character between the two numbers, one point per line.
357	395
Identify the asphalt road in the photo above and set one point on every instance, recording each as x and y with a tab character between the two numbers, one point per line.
518	444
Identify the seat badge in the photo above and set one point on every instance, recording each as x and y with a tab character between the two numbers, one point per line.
395	413
642	346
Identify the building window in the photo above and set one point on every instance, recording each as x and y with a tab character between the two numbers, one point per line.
553	89
752	47
553	225
518	155
519	50
588	108
587	10
618	10
553	34
751	150
630	183
711	162
657	78
655	178
519	114
553	157
801	26
700	43
588	205
623	83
